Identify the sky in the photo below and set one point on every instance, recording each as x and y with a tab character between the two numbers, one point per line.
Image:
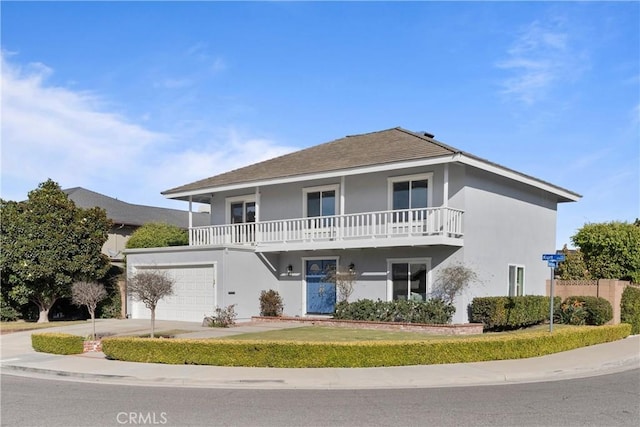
129	99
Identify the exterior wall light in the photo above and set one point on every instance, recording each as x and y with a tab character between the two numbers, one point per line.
289	269
352	268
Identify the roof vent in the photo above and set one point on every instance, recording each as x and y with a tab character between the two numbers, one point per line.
427	134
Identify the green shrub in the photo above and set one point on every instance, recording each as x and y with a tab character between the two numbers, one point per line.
630	308
503	313
598	310
56	343
289	354
223	317
571	313
271	303
432	311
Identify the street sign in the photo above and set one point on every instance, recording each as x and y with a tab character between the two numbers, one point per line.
552	264
553	257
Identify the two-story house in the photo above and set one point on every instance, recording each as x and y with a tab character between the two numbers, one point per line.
392	206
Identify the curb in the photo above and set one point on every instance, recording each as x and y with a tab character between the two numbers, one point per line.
483	376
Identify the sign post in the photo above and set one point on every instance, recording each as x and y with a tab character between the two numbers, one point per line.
552	262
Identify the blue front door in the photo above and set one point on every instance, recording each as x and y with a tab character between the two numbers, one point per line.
321	293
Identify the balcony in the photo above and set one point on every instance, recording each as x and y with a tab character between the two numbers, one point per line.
411	227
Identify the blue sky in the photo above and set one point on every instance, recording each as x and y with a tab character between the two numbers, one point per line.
130	99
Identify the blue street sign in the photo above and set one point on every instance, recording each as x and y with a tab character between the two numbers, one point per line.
553	257
552	264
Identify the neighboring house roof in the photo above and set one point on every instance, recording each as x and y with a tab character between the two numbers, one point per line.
396	146
129	214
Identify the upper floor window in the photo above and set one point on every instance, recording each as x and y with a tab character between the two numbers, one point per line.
320	201
410	192
241	209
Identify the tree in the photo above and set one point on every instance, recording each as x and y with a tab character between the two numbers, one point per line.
88	294
158	235
451	281
47	244
611	250
150	287
573	267
344	279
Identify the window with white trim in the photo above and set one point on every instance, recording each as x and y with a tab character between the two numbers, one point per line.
241	209
516	280
409	192
409	279
320	201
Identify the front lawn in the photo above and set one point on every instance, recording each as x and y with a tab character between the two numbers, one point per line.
20	325
339	334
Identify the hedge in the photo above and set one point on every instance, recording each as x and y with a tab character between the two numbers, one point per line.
432	311
57	343
502	313
289	354
630	308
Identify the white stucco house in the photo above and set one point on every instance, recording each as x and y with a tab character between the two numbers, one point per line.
394	206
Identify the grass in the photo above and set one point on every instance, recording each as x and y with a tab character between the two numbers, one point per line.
171	333
338	334
20	325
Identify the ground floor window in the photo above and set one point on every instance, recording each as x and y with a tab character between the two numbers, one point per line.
409	279
516	280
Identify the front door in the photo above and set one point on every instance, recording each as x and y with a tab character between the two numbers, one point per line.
321	293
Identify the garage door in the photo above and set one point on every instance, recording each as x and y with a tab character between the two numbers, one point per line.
193	298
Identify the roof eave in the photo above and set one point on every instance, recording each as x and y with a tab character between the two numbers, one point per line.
563	194
203	193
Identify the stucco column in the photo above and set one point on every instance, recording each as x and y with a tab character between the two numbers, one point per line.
190	211
257	204
342	190
445	191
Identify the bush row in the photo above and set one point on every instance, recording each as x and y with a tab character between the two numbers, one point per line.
432	311
584	310
56	343
287	354
503	313
630	308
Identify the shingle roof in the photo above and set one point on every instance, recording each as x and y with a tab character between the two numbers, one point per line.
386	146
127	213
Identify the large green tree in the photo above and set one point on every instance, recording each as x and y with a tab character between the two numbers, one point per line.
47	244
611	250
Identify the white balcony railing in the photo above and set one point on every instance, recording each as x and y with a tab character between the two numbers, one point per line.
410	223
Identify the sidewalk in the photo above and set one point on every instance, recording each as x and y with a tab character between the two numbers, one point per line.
18	358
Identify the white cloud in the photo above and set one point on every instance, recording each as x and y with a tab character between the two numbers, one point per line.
539	58
53	132
50	131
229	149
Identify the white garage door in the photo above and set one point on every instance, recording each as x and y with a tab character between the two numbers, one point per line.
193	295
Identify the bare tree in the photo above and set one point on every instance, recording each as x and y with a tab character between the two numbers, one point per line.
150	287
88	294
344	279
452	281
